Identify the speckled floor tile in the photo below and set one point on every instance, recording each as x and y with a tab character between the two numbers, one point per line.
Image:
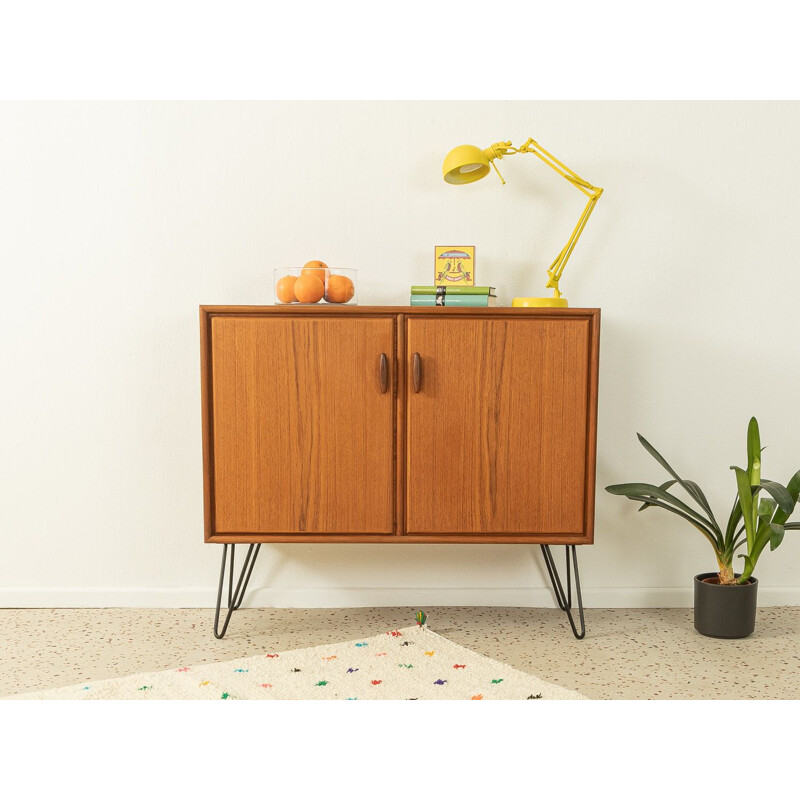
632	654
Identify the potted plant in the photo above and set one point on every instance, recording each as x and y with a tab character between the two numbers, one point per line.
725	601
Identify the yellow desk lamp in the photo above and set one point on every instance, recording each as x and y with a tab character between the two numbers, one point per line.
467	163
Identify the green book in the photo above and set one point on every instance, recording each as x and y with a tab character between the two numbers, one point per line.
452	290
473	300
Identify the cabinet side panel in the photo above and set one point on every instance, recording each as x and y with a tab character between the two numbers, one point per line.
302	435
205	405
497	434
591	438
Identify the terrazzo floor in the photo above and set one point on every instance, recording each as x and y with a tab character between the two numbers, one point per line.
631	654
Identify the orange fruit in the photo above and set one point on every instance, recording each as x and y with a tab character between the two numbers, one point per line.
340	289
284	289
309	289
318	269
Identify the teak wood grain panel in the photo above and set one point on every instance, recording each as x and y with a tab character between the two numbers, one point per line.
302	437
497	436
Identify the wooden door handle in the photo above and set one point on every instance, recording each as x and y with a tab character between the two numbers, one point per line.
384	373
416	372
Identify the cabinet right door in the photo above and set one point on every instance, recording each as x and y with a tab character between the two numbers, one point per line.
498	425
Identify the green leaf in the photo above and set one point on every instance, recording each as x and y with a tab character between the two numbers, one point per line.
647	490
768	533
707	532
735	543
663	486
691	487
761	541
753	452
793	487
766	508
781	495
776	537
700	496
746	502
734	519
749	566
780	515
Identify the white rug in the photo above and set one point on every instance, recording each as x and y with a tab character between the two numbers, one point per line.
407	664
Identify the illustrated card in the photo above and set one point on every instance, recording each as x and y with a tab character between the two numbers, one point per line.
454	266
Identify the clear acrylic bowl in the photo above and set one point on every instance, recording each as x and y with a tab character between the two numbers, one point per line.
336	286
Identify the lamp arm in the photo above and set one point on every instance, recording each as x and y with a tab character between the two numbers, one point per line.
557	267
562	169
500	149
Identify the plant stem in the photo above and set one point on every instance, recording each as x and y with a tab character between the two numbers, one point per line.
726	573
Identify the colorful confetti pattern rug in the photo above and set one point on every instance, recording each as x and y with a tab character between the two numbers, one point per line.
407	664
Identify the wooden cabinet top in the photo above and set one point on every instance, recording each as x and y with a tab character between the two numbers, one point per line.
296	308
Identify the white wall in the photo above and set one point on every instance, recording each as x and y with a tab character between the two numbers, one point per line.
118	219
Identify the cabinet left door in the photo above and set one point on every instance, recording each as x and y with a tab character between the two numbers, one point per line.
302	422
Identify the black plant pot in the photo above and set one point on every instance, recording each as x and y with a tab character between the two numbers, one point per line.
722	611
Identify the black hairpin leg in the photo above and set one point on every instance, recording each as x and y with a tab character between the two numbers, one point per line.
565	601
234	598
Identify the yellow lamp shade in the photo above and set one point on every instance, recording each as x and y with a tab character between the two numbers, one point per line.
465	164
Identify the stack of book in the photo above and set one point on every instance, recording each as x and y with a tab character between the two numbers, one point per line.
453	296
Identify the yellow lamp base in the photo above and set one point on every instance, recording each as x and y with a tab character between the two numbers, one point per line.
539	302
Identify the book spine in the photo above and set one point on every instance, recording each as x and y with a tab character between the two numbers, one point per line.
479	290
474	300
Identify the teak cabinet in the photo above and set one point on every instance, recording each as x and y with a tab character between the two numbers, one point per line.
399	424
